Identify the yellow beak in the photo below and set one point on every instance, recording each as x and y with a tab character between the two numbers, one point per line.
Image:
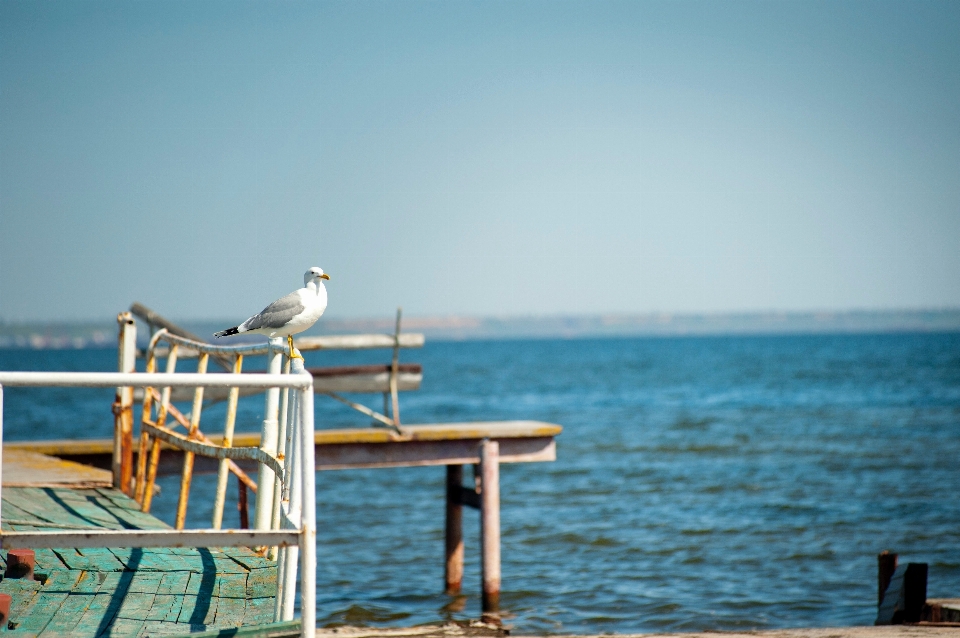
325	276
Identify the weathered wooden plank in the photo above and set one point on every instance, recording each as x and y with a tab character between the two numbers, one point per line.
230	611
233	585
211	614
258	611
89	582
145	582
174	582
136	605
47	561
41	611
262	583
164	606
43	504
21	592
89	559
67	618
418	453
202	592
125	627
247	558
103	608
23	468
62	580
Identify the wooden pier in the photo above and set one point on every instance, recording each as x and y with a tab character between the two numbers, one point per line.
93	592
125	592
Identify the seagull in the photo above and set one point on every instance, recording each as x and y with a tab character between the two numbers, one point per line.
290	314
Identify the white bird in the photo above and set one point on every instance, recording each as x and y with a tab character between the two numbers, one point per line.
290	314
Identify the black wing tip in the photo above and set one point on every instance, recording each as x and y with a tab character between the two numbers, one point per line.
226	333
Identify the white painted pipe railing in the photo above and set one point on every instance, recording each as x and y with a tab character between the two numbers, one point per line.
299	488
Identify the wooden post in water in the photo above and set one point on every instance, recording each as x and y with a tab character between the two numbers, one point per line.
123	406
886	565
490	523
453	571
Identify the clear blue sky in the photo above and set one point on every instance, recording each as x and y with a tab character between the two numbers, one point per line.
478	158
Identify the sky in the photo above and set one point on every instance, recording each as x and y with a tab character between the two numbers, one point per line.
478	158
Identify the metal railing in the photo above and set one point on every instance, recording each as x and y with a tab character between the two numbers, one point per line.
291	474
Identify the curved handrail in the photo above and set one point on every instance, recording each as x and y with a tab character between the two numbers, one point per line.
209	348
212	450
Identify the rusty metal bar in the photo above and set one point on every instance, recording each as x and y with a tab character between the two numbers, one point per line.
200	436
359	407
148	538
222	471
333	342
153	318
242	504
162	411
187	477
145	413
123	406
395	362
214	451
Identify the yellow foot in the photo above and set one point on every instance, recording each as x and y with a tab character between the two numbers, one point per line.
294	353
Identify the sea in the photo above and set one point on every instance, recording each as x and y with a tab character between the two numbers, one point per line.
701	483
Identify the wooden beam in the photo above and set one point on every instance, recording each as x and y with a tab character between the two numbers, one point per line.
359	342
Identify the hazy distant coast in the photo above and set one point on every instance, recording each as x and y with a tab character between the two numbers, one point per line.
63	335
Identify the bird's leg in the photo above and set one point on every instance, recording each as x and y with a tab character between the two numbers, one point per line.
294	353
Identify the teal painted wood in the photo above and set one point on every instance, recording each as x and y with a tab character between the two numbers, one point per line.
248	559
68	616
21	594
124	627
230	611
259	611
62	581
128	591
41	611
287	629
89	559
262	583
233	585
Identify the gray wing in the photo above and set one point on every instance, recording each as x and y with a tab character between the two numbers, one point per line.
277	314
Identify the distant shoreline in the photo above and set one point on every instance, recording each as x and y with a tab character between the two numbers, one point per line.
86	334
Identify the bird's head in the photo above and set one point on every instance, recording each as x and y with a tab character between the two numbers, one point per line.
314	275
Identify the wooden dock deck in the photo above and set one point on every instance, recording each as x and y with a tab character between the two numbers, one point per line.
126	592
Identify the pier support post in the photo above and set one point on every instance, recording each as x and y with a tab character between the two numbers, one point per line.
123	407
453	554
886	565
490	523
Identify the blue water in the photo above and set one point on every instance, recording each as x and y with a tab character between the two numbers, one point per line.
701	483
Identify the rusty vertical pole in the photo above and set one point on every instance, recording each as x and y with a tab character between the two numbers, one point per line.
453	572
186	476
242	504
490	523
123	406
394	371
